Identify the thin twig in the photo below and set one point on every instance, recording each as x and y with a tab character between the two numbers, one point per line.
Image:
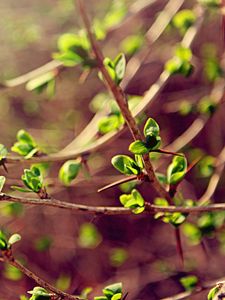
7	257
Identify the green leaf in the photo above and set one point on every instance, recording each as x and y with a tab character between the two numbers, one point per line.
69	171
39	293
180	63
151	128
2	182
131	44
138	147
24	137
70	42
125	165
101	298
69	59
212	293
109	124
14	239
183	20
134	201
117	296
89	236
189	282
112	289
73	49
177	169
192	232
25	145
118	256
3	152
183	53
109	64
120	67
206	106
33	179
3	241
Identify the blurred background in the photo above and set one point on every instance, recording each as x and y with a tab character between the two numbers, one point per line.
74	251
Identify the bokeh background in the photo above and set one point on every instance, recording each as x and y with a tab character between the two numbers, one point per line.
74	251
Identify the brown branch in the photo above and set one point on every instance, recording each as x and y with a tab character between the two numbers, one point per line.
110	210
122	103
8	257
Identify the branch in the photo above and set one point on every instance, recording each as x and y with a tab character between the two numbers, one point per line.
110	210
8	257
122	103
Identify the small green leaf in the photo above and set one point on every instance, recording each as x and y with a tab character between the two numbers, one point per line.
14	239
134	201
3	241
89	236
39	293
212	293
117	296
192	232
118	256
177	169
112	289
183	20
189	282
125	165
2	182
109	124
206	106
138	147
69	171
120	67
69	59
25	145
151	128
131	44
180	63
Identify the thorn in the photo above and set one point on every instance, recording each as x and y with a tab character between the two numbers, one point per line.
118	182
167	152
179	246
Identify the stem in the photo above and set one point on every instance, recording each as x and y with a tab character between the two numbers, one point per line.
122	103
111	210
8	257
